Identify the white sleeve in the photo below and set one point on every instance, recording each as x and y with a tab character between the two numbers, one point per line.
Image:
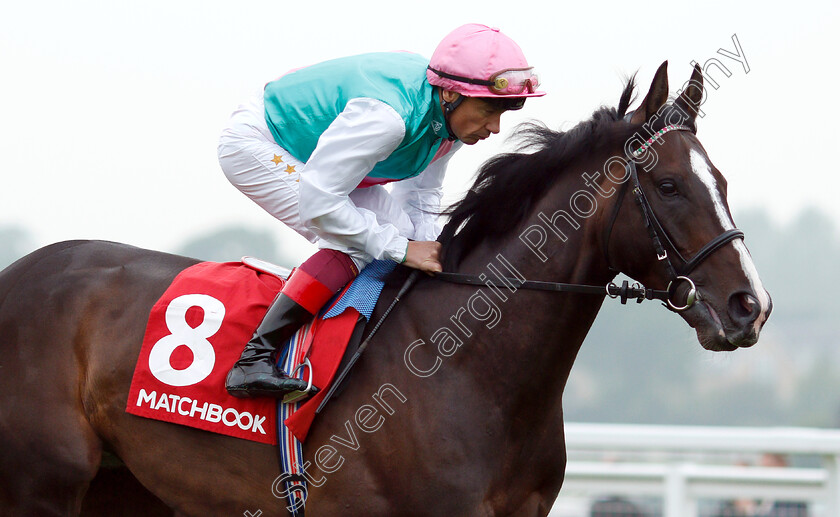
365	133
420	197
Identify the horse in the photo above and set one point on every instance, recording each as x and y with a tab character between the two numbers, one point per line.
455	408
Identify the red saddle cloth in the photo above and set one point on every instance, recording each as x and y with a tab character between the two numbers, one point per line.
197	330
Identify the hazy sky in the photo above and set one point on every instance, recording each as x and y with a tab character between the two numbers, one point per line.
110	111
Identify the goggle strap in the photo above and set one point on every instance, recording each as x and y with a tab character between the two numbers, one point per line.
461	79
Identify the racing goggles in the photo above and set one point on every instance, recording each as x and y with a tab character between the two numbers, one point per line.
510	81
514	81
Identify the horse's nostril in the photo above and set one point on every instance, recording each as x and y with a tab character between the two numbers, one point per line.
744	308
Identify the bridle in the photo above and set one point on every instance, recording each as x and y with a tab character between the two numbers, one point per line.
656	231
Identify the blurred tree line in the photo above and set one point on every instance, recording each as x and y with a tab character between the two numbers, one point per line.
643	364
234	243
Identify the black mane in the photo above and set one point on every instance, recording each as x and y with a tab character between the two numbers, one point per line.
509	185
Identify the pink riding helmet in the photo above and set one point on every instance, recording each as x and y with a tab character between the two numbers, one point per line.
478	61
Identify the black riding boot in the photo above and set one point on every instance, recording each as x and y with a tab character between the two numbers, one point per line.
255	373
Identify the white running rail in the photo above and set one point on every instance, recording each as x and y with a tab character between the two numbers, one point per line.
672	462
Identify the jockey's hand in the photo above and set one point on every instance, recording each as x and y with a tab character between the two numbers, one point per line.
424	255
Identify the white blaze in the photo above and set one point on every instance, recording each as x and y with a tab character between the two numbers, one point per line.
701	168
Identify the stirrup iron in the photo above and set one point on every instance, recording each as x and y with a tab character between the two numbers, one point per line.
294	396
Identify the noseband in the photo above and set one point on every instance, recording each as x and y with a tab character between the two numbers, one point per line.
655	230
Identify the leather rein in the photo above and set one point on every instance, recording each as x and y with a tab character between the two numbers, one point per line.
656	231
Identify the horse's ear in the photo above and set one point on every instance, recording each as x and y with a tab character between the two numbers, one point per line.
689	100
655	98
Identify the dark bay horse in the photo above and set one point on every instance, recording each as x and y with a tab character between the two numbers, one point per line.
455	408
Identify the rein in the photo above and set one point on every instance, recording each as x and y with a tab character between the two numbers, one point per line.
625	292
655	230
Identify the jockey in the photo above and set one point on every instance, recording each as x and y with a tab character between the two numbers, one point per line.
315	149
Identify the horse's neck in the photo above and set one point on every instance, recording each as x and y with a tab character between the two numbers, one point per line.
538	334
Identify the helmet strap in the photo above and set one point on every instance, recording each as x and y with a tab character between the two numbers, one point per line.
448	108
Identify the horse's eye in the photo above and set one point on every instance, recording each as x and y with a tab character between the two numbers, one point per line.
668	188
